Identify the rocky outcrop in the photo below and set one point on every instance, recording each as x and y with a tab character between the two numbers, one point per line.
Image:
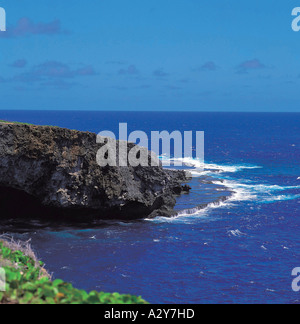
52	172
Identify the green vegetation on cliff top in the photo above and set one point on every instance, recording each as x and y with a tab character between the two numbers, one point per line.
27	282
9	122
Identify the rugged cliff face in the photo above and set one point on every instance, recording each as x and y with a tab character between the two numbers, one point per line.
52	172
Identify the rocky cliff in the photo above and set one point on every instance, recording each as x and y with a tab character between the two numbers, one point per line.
52	172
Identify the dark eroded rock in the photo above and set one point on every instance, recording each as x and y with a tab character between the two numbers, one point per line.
52	172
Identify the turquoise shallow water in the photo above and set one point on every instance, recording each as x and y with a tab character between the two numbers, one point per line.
242	250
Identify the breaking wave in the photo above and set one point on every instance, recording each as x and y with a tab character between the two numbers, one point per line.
241	190
199	168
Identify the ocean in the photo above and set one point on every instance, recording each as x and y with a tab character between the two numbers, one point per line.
241	250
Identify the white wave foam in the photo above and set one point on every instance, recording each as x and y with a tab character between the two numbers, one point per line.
236	233
280	198
249	191
259	192
230	168
202	168
240	193
264	188
186	215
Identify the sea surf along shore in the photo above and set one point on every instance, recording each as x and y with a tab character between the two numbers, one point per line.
213	250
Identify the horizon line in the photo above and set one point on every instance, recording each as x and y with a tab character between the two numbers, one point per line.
151	111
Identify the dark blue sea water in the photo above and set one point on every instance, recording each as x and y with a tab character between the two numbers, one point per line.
240	251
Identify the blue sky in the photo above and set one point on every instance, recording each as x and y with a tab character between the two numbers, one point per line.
167	55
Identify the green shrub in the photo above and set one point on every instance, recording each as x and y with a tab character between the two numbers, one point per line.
26	283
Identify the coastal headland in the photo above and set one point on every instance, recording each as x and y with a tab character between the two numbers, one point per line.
52	172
